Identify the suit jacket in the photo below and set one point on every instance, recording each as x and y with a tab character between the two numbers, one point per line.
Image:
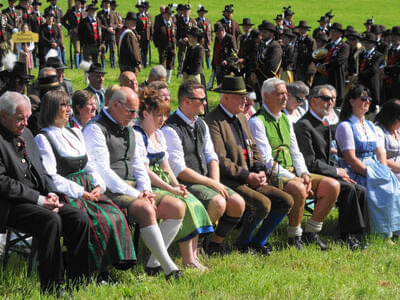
86	33
70	19
12	173
129	51
303	51
193	63
36	22
108	20
46	37
207	31
14	20
233	166
269	60
228	44
314	140
161	33
145	27
234	30
57	13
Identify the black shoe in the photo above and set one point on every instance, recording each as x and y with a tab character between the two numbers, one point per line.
153	271
244	249
106	278
296	242
262	250
175	275
313	238
216	249
354	244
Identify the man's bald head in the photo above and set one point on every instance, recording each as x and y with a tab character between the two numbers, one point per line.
129	79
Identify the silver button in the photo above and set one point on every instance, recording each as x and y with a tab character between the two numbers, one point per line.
23	160
18	144
25	175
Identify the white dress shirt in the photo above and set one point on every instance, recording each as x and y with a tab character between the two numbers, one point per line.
98	150
70	145
151	148
175	149
257	129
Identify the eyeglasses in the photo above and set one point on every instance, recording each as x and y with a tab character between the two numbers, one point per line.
325	98
66	104
128	110
365	98
299	99
200	99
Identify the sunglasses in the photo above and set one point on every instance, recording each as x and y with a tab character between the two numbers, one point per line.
326	98
200	99
299	99
129	111
365	98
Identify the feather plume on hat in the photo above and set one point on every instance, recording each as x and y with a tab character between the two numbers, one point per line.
9	61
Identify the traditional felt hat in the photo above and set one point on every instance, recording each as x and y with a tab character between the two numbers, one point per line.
323	19
232	85
352	34
96	68
287	11
179	7
139	4
35	2
48	82
131	16
218	27
376	29
246	22
289	33
303	24
202	9
91	6
279	17
395	30
387	32
168	10
369	37
48	14
20	71
228	8
369	21
113	2
55	63
105	1
338	27
146	4
265	25
187	7
329	14
195	31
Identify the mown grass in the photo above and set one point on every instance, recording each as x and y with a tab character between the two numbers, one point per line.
287	273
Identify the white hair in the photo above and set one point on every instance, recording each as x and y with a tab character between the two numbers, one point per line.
269	86
157	72
118	95
9	102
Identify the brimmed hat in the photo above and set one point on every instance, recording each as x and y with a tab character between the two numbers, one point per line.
187	7
218	27
168	10
287	11
202	9
246	22
91	6
140	4
329	14
265	25
289	33
369	37
48	82
323	19
228	8
195	31
353	34
36	3
369	21
97	68
303	24
131	16
20	71
55	63
395	30
113	2
81	1
105	1
376	29
179	7
146	4
278	17
48	14
387	32
232	85
338	27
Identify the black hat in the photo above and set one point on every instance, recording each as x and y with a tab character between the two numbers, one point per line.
228	8
105	1
337	27
369	21
55	63
146	4
323	19
202	9
218	27
131	16
352	34
35	2
49	13
91	6
187	7
265	25
395	30
287	11
168	10
376	29
81	1
303	24
113	2
329	14
141	4
232	85
287	32
179	7
387	32
278	17
320	36
97	68
369	37
195	31
349	28
20	71
48	82
246	22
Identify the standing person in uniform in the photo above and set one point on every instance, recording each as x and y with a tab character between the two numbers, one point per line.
392	69
109	23
145	30
128	47
49	37
288	56
14	20
323	27
57	21
71	21
165	41
230	25
288	17
89	31
193	65
205	24
36	21
245	48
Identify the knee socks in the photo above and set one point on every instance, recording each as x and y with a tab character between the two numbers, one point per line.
225	225
273	219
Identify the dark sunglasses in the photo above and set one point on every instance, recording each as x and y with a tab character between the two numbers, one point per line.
129	111
200	99
299	99
326	98
365	98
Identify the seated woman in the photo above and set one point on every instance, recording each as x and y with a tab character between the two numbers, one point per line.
84	108
65	160
297	93
364	158
388	119
153	112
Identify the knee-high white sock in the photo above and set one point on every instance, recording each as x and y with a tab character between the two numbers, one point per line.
151	235
169	229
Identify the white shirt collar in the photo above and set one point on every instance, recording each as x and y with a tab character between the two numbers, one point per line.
315	115
337	42
268	111
186	119
230	115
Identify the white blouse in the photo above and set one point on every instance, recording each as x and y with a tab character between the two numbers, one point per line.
67	144
345	139
151	148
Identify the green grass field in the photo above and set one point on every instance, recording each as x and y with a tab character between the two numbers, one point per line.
287	273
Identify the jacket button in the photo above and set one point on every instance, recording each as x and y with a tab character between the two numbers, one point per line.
23	160
25	175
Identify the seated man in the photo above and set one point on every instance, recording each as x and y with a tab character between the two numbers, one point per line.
28	203
276	140
242	168
195	163
110	140
314	137
96	84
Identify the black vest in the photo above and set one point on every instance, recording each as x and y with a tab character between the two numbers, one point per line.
120	143
192	142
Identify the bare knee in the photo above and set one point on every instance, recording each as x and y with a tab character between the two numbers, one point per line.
297	190
171	208
217	206
328	187
143	212
235	205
